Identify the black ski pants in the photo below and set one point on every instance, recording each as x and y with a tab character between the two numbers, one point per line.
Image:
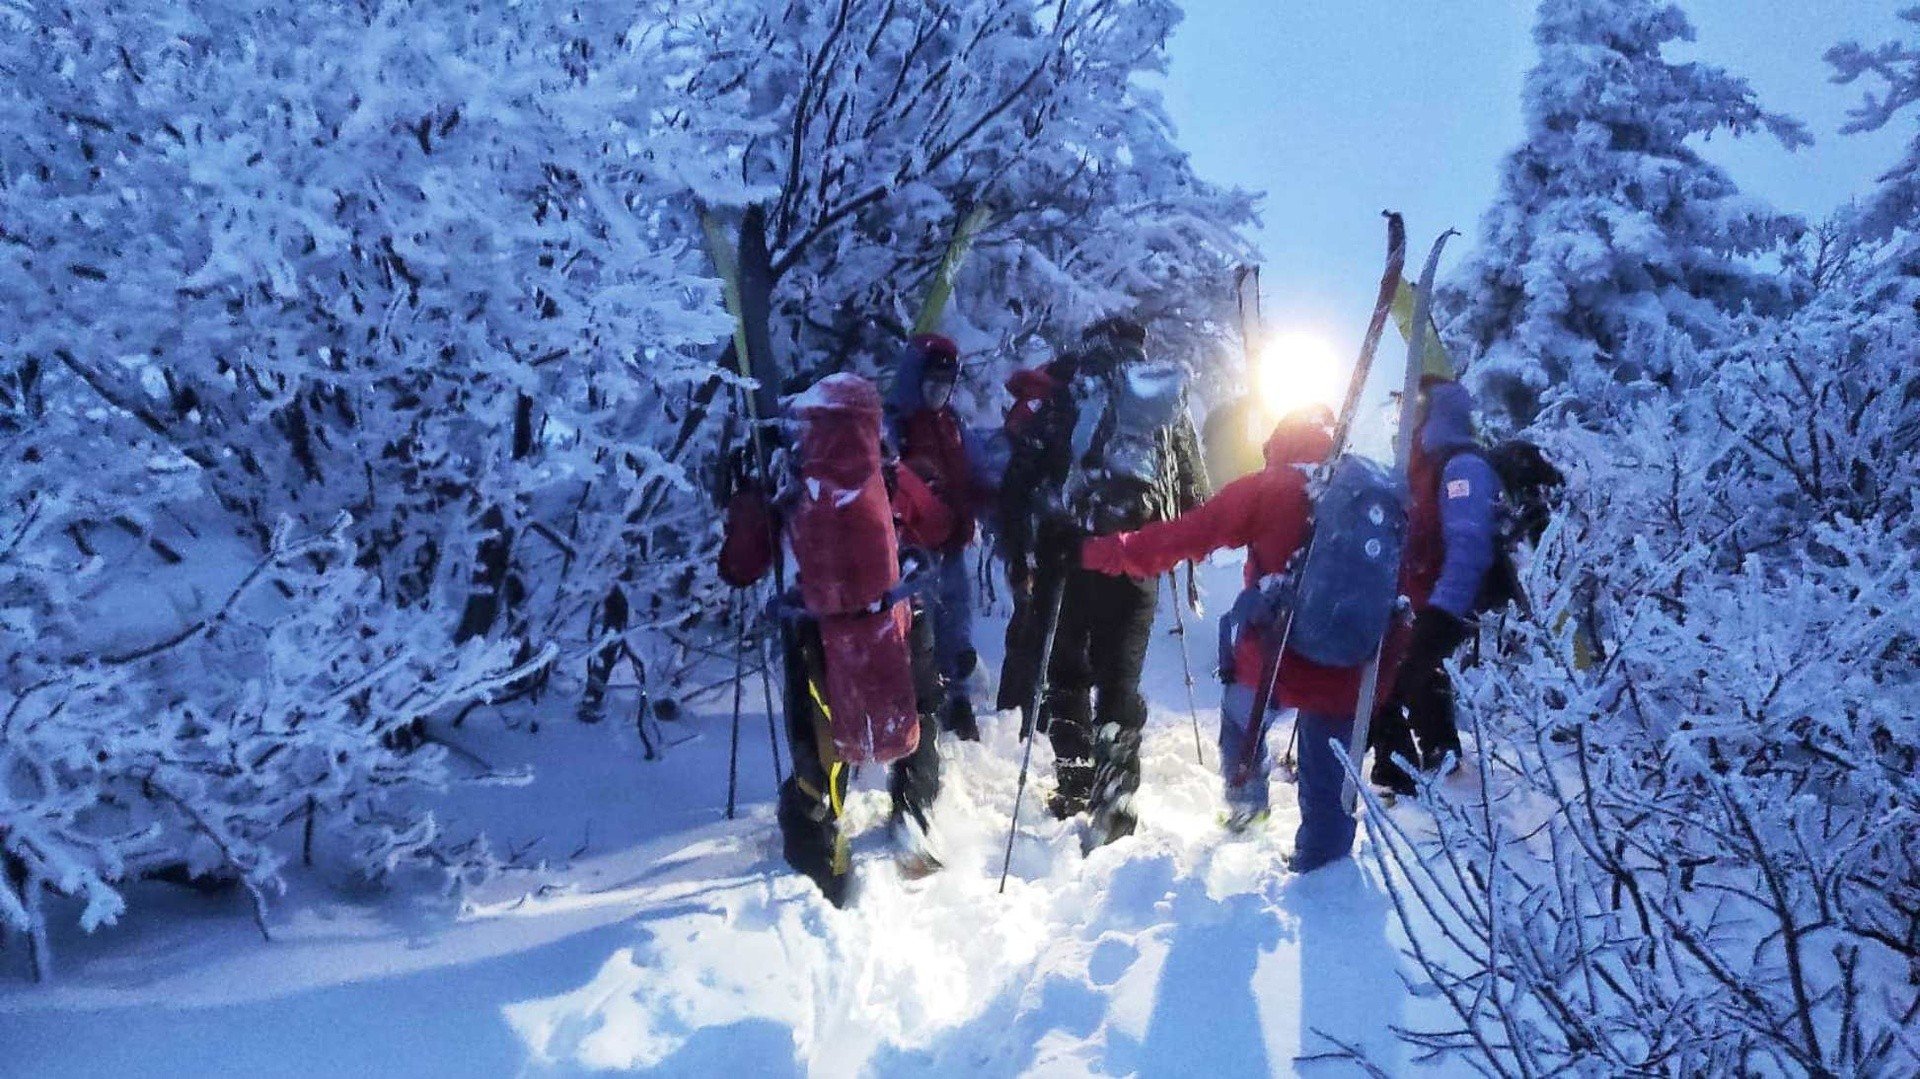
1094	710
1421	704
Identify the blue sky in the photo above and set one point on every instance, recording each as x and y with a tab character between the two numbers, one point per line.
1338	109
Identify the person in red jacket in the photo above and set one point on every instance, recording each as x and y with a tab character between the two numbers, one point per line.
1269	513
810	799
933	445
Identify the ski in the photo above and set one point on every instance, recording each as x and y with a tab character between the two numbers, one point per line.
1402	465
940	291
1349	407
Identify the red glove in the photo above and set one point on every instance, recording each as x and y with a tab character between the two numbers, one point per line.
1104	554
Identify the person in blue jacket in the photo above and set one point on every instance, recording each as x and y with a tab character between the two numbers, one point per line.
1452	533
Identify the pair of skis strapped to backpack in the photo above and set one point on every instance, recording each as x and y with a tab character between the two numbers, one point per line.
1368	524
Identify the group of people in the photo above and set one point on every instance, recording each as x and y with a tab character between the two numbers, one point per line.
1103	491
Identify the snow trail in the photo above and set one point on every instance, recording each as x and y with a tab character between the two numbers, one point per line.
682	946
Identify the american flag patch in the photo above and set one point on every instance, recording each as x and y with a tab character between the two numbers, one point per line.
1458	488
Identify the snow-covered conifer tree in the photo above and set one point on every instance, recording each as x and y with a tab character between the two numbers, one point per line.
1614	246
1893	208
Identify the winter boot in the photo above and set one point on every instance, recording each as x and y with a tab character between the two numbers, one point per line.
1073	788
812	843
960	719
1387	776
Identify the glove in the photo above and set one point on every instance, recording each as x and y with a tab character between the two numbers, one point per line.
1104	554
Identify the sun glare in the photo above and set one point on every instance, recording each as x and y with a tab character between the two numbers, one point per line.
1299	370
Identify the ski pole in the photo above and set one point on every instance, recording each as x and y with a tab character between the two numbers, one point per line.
1039	691
766	692
1186	667
739	678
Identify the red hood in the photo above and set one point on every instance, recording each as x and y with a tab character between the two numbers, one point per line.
1031	384
1300	438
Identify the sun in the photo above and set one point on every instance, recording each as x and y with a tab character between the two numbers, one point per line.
1299	370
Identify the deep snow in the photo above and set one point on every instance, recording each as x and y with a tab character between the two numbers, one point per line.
668	940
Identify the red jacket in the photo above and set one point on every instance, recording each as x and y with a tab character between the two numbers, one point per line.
1031	388
1267	512
933	448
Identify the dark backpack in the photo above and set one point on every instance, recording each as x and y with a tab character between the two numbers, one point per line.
1529	485
1121	444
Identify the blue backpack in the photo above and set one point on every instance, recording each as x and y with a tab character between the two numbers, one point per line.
1345	590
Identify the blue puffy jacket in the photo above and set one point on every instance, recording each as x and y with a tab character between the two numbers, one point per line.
1468	495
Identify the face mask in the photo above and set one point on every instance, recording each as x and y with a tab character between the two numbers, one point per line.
937	394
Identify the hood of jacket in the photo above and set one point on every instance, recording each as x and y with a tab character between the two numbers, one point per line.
1449	422
1300	438
1031	384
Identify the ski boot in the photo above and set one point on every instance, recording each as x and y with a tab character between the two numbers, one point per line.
1246	804
1298	863
812	842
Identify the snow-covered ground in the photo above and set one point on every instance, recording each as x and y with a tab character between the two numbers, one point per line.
666	939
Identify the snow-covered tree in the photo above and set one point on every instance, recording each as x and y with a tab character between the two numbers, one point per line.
1614	246
880	125
1892	210
1693	849
408	268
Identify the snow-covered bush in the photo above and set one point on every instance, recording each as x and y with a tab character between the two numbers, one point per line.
1611	235
279	717
1696	847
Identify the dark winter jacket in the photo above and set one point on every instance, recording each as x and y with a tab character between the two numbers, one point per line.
1452	527
1043	456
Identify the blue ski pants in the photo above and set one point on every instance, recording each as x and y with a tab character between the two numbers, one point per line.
1326	827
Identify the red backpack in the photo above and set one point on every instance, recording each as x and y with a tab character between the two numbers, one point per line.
843	541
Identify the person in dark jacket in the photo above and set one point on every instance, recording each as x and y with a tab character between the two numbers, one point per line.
1033	390
1452	530
811	798
1093	711
1269	513
933	445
